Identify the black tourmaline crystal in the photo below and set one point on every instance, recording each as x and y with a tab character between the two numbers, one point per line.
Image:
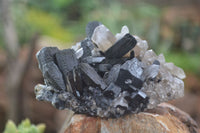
96	82
121	47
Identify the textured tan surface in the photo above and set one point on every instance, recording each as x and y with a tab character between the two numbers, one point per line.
84	124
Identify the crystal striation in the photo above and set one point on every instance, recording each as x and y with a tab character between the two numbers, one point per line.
106	75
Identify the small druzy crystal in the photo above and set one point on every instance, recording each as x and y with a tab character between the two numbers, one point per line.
106	75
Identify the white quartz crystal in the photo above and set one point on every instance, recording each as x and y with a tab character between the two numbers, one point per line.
161	58
77	46
167	85
79	53
149	57
176	71
140	49
150	72
166	89
103	38
123	32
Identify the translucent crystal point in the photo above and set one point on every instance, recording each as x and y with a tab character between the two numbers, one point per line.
123	32
103	38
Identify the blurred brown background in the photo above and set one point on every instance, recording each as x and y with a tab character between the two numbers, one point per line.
171	27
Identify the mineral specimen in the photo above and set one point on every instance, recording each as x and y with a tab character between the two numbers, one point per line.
106	75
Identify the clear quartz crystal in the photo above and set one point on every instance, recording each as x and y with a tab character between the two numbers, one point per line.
77	46
150	72
176	71
123	32
167	85
164	91
149	57
103	38
140	48
79	53
161	58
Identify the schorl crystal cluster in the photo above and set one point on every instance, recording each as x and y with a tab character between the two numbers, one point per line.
106	75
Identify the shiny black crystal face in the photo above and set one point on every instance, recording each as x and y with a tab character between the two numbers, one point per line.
106	84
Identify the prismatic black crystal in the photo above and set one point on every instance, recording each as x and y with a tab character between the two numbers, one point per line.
121	47
106	75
